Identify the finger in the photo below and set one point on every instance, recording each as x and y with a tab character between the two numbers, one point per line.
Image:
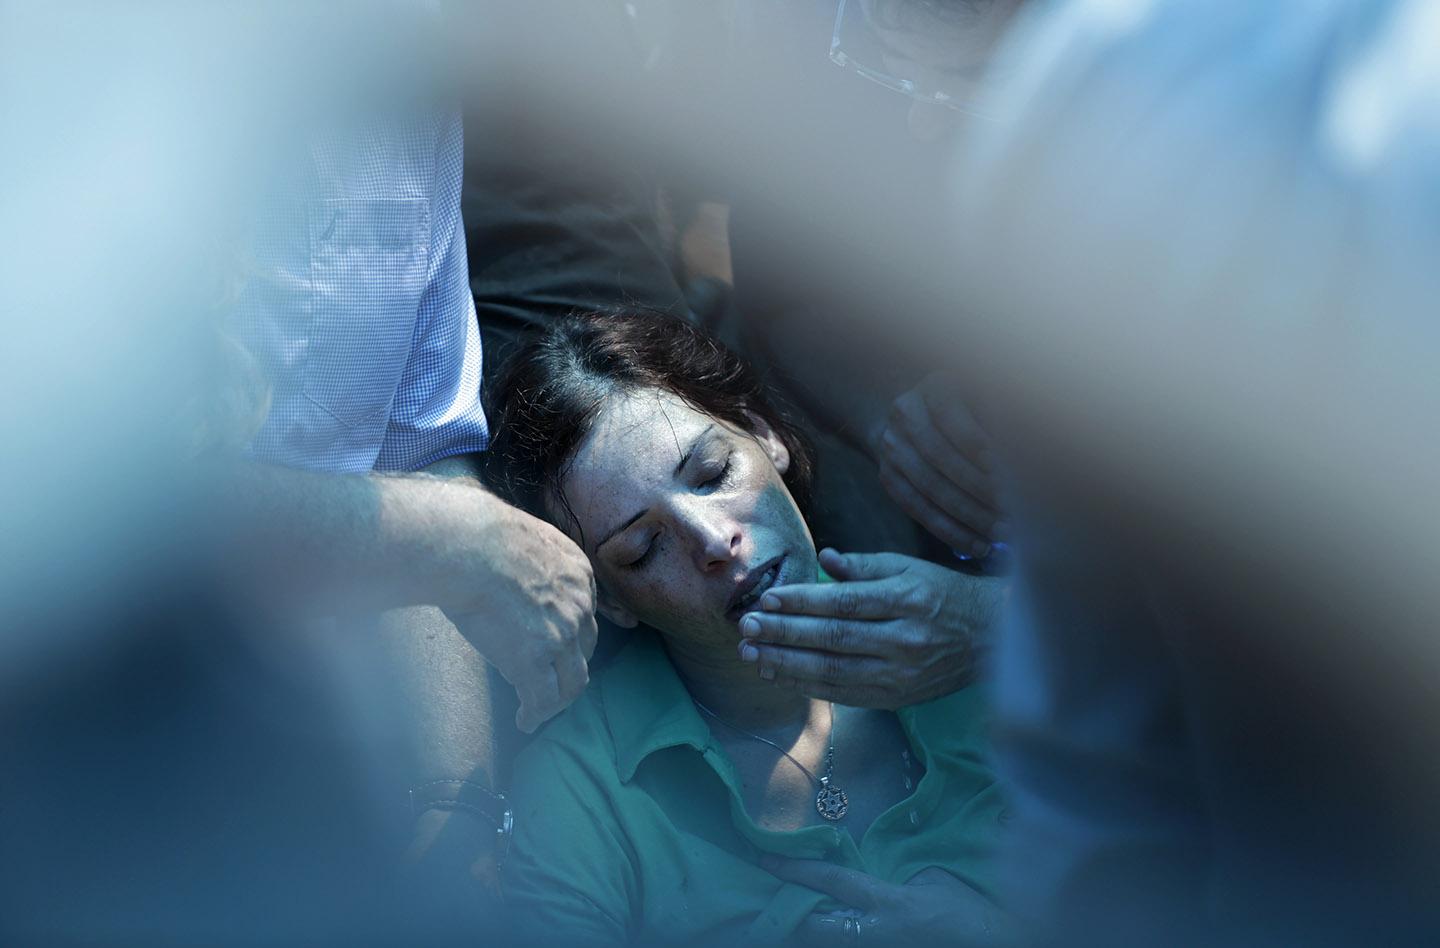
571	675
539	699
586	631
945	436
826	929
821	633
932	518
960	503
853	567
817	666
594	588
934	875
848	886
867	599
953	419
966	468
589	635
923	480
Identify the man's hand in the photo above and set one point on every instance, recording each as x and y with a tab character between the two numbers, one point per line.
524	595
933	908
893	631
934	463
518	589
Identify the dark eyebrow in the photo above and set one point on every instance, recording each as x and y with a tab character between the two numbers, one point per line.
690	451
620	529
685	457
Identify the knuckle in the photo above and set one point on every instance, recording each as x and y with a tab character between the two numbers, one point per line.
835	635
914	595
847	602
912	642
791	634
906	499
947	530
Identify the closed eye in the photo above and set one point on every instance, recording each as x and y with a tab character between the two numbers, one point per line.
722	477
645	557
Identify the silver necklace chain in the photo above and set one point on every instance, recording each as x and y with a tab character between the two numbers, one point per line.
831	802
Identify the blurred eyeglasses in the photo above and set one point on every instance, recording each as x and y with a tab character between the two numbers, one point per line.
854	45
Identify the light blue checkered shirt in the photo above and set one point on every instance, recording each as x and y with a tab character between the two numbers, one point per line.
358	304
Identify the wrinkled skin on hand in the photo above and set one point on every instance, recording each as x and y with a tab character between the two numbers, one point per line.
524	596
893	631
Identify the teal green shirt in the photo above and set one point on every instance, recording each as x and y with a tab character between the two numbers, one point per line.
629	825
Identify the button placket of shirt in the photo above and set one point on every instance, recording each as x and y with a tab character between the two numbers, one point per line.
810	842
910	815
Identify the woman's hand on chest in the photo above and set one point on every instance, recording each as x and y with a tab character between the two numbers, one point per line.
932	908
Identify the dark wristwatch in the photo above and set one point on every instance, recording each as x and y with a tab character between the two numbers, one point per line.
472	798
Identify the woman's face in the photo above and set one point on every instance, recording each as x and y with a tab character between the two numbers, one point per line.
685	517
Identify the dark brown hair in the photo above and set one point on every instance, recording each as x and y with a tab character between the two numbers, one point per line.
553	387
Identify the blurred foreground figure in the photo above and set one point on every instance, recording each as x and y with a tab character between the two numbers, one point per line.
874	121
1204	245
179	768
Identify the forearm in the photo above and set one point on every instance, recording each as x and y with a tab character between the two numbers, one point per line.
977	604
460	708
330	542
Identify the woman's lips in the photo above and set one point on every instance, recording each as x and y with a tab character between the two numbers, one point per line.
767	577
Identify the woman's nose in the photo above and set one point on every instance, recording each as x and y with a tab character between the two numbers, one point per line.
717	541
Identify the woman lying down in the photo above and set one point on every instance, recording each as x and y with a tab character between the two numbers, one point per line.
684	799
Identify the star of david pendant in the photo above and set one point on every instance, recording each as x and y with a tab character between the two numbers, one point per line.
831	801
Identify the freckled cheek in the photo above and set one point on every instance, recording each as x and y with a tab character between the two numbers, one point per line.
745	501
746	509
663	601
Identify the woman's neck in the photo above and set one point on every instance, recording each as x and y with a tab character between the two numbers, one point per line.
735	692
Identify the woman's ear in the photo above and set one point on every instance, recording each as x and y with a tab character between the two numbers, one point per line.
770	441
609	607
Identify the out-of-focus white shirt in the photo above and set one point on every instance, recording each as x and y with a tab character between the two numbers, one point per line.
358	304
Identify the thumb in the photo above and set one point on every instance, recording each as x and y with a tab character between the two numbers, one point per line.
853	566
527	717
846	886
934	875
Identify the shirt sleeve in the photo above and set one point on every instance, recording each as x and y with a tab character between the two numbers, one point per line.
437	409
356	303
570	877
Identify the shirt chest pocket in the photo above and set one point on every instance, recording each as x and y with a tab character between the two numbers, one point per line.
368	267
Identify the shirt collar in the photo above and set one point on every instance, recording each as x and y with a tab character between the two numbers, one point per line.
647	706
